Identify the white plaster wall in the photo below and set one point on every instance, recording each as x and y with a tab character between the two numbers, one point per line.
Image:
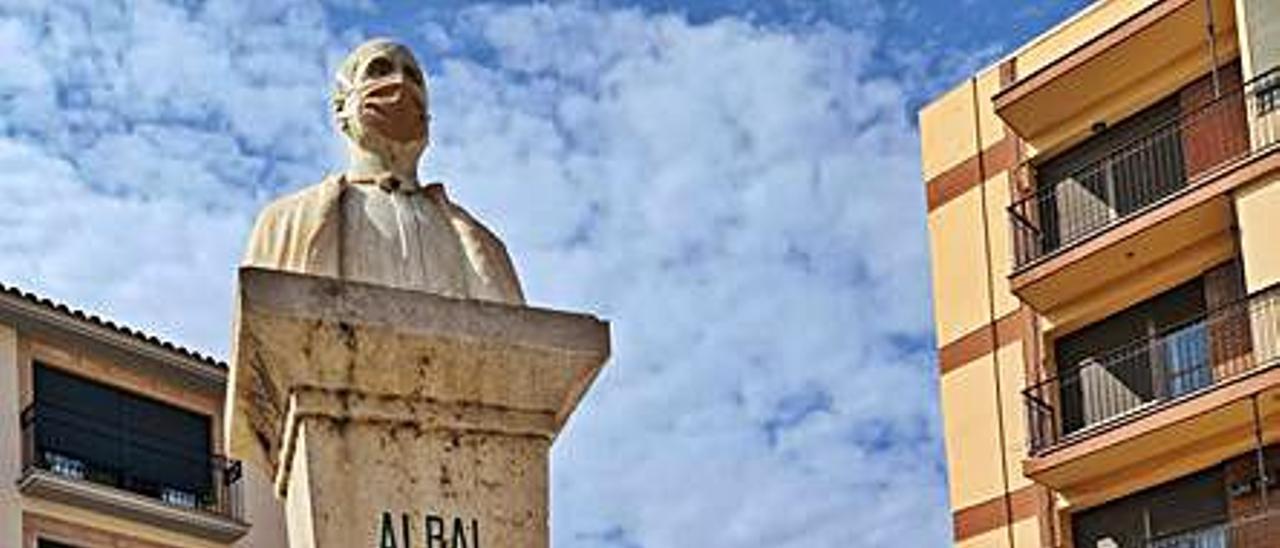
1259	24
10	440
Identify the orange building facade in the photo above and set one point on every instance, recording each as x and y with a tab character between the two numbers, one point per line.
111	438
1104	219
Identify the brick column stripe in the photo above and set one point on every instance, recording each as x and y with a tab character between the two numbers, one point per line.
950	184
989	515
977	343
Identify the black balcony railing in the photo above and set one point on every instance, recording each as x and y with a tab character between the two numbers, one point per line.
54	441
1189	357
1261	530
1126	179
1208	536
1258	530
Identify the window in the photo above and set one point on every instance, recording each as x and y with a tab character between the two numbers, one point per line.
1156	349
1188	512
1119	170
1124	167
89	431
1268	95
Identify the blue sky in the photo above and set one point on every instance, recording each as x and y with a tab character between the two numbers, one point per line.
734	184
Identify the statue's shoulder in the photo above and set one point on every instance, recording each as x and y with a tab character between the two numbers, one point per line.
460	216
317	198
485	251
290	226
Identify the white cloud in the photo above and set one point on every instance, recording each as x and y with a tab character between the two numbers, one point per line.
742	201
754	228
142	140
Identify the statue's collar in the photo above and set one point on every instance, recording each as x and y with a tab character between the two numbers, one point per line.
434	190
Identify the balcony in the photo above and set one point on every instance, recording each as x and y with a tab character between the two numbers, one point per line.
128	476
1108	61
1164	179
1126	416
1175	364
1260	530
1226	504
1211	536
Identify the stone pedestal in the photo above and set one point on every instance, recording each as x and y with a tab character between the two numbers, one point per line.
399	418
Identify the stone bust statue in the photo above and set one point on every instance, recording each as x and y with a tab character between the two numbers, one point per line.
375	222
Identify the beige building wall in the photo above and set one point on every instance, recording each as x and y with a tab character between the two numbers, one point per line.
943	146
1028	533
10	440
991	346
960	273
1258	217
25	518
1024	533
996	538
972	439
1013	379
998	191
968	161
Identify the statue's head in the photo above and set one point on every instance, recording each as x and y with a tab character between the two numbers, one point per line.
380	104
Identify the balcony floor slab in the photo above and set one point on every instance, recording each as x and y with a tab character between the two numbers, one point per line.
121	503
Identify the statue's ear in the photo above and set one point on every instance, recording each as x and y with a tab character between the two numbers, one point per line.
338	102
339	105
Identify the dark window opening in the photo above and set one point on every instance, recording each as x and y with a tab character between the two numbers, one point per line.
1153	350
90	431
1220	507
1187	512
1268	95
1120	170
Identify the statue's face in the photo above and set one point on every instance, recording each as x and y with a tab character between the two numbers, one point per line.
382	99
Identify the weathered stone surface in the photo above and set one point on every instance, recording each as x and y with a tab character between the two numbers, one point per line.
492	482
368	403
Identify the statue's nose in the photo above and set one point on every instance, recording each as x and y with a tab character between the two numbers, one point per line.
396	88
389	88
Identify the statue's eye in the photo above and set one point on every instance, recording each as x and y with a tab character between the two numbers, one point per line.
378	68
414	74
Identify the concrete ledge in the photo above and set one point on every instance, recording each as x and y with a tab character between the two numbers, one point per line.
303	297
124	504
306	342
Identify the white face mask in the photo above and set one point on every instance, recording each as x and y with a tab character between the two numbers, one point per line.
392	108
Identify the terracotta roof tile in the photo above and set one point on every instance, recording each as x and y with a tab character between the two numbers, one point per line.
108	324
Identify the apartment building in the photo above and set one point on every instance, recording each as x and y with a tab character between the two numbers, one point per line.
1104	219
109	438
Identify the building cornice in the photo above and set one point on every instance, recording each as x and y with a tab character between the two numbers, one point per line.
28	310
